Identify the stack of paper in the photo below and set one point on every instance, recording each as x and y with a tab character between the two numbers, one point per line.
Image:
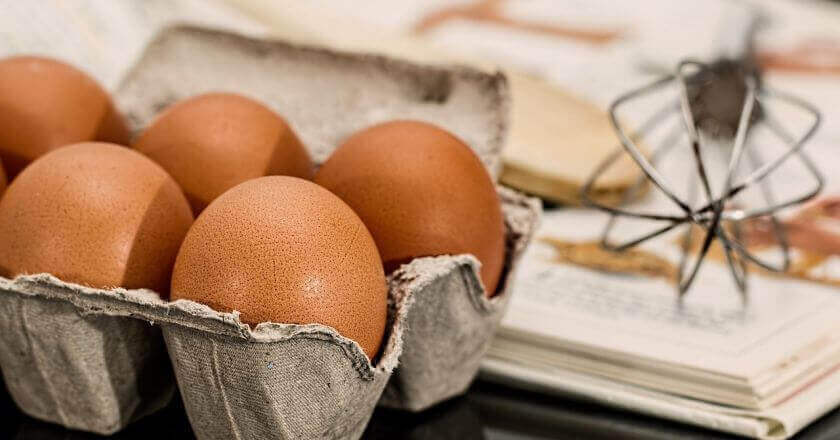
764	370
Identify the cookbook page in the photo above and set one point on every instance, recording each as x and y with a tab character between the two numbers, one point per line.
572	291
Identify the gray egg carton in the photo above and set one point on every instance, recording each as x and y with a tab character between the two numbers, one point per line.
96	359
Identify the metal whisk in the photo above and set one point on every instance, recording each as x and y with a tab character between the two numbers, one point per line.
719	103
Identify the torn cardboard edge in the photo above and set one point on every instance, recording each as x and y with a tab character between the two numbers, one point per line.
95	373
521	215
452	322
147	305
206	349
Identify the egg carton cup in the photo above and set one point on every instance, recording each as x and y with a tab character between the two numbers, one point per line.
77	356
451	322
67	359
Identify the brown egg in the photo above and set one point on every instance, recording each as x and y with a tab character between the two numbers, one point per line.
213	142
96	214
285	250
421	192
3	180
46	104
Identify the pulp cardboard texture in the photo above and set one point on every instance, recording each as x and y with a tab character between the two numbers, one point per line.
63	362
276	381
451	321
324	95
94	359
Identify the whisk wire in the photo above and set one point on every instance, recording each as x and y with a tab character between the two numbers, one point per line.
718	217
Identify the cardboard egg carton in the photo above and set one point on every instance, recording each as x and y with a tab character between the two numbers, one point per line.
96	359
93	359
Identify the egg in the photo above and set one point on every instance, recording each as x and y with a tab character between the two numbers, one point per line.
46	104
96	214
421	192
213	142
282	249
3	179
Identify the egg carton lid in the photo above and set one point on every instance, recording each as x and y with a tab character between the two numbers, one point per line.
324	94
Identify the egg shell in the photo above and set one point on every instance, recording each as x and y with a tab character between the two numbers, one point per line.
46	104
282	249
96	214
213	142
4	181
421	192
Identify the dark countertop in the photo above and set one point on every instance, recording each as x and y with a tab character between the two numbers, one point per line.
488	412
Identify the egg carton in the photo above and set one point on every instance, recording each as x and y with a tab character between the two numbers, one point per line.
89	359
94	360
363	90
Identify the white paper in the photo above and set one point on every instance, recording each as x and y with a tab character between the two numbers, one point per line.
775	423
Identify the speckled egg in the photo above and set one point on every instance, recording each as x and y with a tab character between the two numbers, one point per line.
3	179
284	250
213	142
46	104
421	192
96	214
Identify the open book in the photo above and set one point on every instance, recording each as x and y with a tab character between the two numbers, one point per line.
609	327
764	369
